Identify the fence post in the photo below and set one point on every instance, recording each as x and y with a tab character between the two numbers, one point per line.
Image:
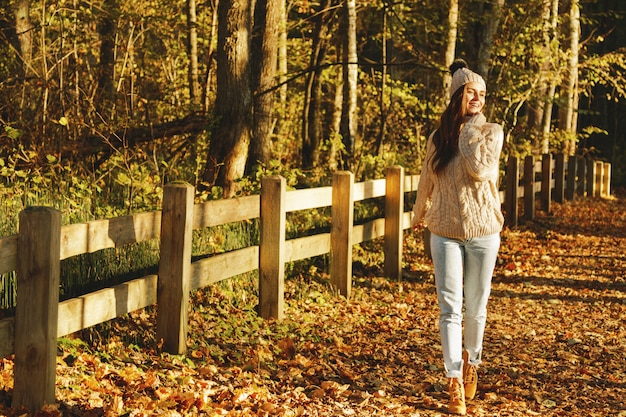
529	187
510	197
599	180
342	215
570	190
394	210
272	257
607	180
582	176
559	178
591	177
175	267
546	181
36	316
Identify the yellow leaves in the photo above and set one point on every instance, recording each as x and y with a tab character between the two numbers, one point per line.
330	389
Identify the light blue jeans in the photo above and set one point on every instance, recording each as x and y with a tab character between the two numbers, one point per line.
463	267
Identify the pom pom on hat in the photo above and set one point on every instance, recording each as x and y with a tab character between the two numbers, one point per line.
462	75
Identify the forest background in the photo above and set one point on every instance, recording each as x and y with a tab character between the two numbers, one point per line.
103	102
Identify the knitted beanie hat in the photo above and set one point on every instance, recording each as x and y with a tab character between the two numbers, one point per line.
462	75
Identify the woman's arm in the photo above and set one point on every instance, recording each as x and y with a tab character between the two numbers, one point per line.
480	144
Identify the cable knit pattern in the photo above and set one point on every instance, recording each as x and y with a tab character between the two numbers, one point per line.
463	201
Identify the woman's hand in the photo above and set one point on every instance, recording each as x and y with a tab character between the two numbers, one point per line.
417	224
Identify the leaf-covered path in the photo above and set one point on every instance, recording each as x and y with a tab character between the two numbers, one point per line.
555	342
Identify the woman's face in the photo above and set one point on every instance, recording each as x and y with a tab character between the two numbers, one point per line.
474	98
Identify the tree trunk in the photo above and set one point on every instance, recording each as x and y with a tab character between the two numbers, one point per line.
106	31
24	30
549	104
350	79
228	150
311	120
282	51
333	154
192	51
383	88
538	105
489	25
264	61
450	54
210	55
568	113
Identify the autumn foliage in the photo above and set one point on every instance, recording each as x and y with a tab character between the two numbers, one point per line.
555	342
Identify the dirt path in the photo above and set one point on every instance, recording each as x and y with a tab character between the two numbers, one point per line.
557	339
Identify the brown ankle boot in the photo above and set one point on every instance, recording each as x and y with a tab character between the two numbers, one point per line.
470	377
457	396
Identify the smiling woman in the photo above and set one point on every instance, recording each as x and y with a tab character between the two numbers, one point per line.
457	199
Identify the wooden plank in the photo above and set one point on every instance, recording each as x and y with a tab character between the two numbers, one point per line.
369	189
599	182
606	188
307	247
308	198
342	214
174	267
36	315
581	173
373	229
546	181
8	254
512	188
529	187
218	212
411	182
272	248
591	177
208	271
93	236
559	178
570	178
106	304
394	206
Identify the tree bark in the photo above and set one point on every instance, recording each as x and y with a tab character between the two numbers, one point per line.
264	62
228	149
383	88
106	31
350	80
568	113
311	120
24	30
450	54
282	51
537	106
489	26
549	100
210	56
333	154
192	51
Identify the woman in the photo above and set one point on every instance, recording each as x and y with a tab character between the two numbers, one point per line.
458	200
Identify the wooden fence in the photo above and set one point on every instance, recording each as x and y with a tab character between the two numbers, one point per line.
551	178
42	242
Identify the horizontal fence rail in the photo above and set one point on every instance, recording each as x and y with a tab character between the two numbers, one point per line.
35	253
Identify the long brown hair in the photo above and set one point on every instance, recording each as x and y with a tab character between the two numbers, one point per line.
446	137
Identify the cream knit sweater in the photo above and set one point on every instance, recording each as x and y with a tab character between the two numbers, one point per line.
462	202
